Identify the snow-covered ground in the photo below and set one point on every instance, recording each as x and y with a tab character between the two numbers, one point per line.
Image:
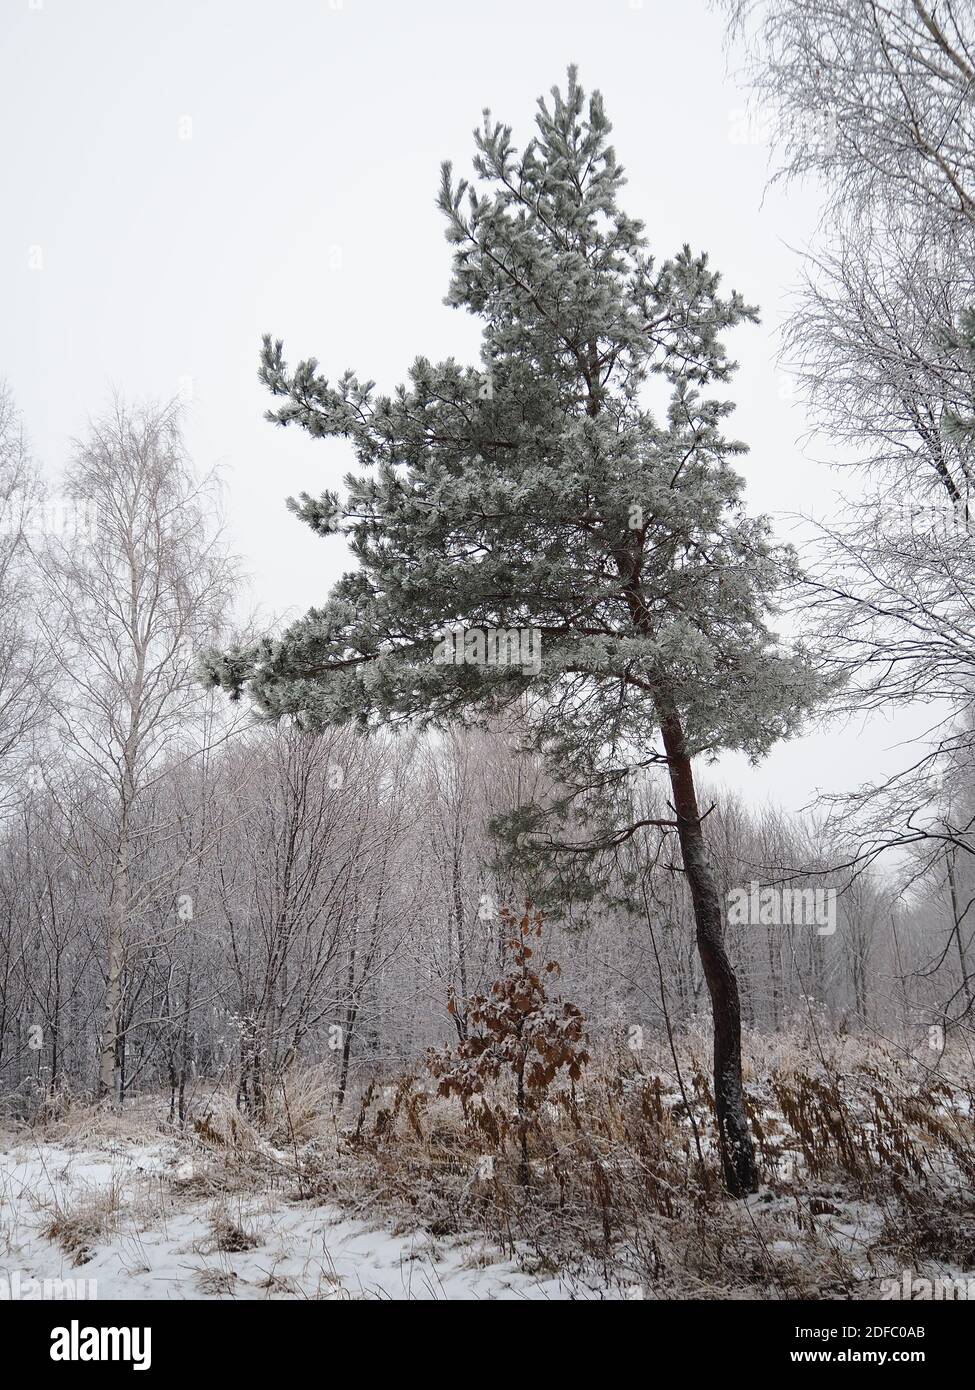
132	1231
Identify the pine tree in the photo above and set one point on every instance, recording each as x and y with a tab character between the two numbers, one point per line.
543	492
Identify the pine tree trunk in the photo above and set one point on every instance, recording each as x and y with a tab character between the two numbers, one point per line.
737	1153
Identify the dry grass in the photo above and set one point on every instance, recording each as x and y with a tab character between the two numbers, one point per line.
867	1154
88	1219
215	1282
229	1234
867	1157
75	1122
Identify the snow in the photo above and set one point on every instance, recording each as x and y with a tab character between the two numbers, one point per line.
160	1243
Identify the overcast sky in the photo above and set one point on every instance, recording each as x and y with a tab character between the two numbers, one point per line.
181	177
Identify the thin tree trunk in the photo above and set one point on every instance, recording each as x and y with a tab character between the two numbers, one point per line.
737	1152
350	1018
460	1014
956	918
524	1169
108	1072
351	1010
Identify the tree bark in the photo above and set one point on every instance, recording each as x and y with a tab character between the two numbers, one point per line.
737	1152
108	1068
956	919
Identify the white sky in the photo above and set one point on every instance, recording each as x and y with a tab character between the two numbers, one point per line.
303	205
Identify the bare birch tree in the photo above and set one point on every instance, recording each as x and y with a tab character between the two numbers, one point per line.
123	616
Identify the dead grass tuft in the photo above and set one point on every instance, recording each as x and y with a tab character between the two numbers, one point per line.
89	1219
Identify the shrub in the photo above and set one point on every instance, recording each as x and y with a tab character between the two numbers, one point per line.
519	1033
